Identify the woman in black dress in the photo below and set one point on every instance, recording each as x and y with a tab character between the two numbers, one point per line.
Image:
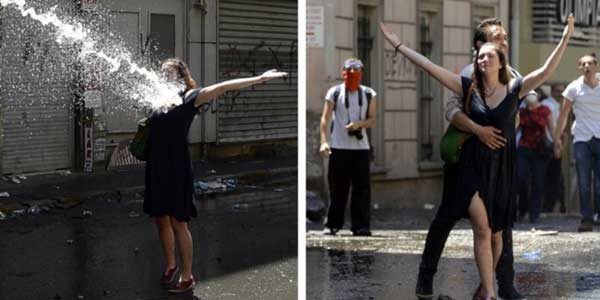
169	180
487	177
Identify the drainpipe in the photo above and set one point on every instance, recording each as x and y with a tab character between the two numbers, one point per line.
514	33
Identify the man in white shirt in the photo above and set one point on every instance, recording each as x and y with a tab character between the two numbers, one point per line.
555	186
583	96
353	109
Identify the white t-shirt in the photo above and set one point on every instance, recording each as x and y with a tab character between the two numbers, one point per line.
554	107
586	108
339	136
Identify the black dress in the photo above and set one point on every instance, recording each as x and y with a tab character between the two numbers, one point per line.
492	173
169	177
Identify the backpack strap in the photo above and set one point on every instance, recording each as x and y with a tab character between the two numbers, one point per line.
336	95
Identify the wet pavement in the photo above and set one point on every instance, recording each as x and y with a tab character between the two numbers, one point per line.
553	261
243	251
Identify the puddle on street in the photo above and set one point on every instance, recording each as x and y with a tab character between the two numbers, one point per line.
564	266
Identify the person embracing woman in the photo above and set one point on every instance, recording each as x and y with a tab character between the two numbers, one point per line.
169	192
485	176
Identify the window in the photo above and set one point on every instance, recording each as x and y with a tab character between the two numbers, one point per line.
428	88
365	41
162	35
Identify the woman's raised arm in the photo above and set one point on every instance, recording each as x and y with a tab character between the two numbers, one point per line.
534	79
213	91
447	78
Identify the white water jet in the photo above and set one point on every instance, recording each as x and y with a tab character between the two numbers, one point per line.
154	90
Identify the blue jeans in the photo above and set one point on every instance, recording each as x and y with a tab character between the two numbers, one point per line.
587	159
531	165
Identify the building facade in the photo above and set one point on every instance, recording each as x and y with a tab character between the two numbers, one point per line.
406	170
45	114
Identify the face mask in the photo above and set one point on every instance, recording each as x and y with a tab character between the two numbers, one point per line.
352	79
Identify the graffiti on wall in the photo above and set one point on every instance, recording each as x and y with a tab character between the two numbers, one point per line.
237	62
259	58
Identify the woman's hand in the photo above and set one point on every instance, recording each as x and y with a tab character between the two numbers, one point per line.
272	74
389	35
570	27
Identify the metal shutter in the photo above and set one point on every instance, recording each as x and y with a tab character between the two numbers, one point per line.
255	36
36	98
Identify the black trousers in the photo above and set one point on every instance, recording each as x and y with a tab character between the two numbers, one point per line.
439	230
349	168
555	186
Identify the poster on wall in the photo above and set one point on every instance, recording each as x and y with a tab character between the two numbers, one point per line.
314	26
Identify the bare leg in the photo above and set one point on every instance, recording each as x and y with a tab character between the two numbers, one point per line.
186	247
167	240
497	247
482	238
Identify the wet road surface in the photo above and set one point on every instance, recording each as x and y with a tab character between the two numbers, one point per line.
549	264
114	253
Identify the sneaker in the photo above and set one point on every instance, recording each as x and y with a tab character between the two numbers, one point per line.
183	286
330	231
585	226
169	277
424	290
510	294
362	232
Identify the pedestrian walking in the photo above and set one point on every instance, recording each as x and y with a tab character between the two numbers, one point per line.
554	187
534	153
583	97
169	193
486	175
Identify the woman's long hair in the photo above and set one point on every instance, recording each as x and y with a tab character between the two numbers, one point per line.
183	72
503	74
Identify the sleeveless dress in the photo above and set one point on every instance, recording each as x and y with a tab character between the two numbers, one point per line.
481	169
169	178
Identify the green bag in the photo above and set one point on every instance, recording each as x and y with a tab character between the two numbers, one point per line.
452	143
454	138
139	144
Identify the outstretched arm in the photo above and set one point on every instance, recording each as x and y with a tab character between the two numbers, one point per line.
537	77
447	78
213	91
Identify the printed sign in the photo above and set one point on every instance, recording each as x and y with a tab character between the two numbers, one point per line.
314	27
88	147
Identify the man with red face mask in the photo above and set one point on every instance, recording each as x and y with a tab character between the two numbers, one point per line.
353	107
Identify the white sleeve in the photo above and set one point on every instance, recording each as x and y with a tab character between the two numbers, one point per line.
329	95
571	91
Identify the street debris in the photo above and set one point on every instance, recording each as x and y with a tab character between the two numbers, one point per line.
376	206
22	177
214	186
532	255
212	172
543	232
136	251
133	214
429	206
87	213
69	242
239	207
15	180
4	194
278	190
34	210
2	216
